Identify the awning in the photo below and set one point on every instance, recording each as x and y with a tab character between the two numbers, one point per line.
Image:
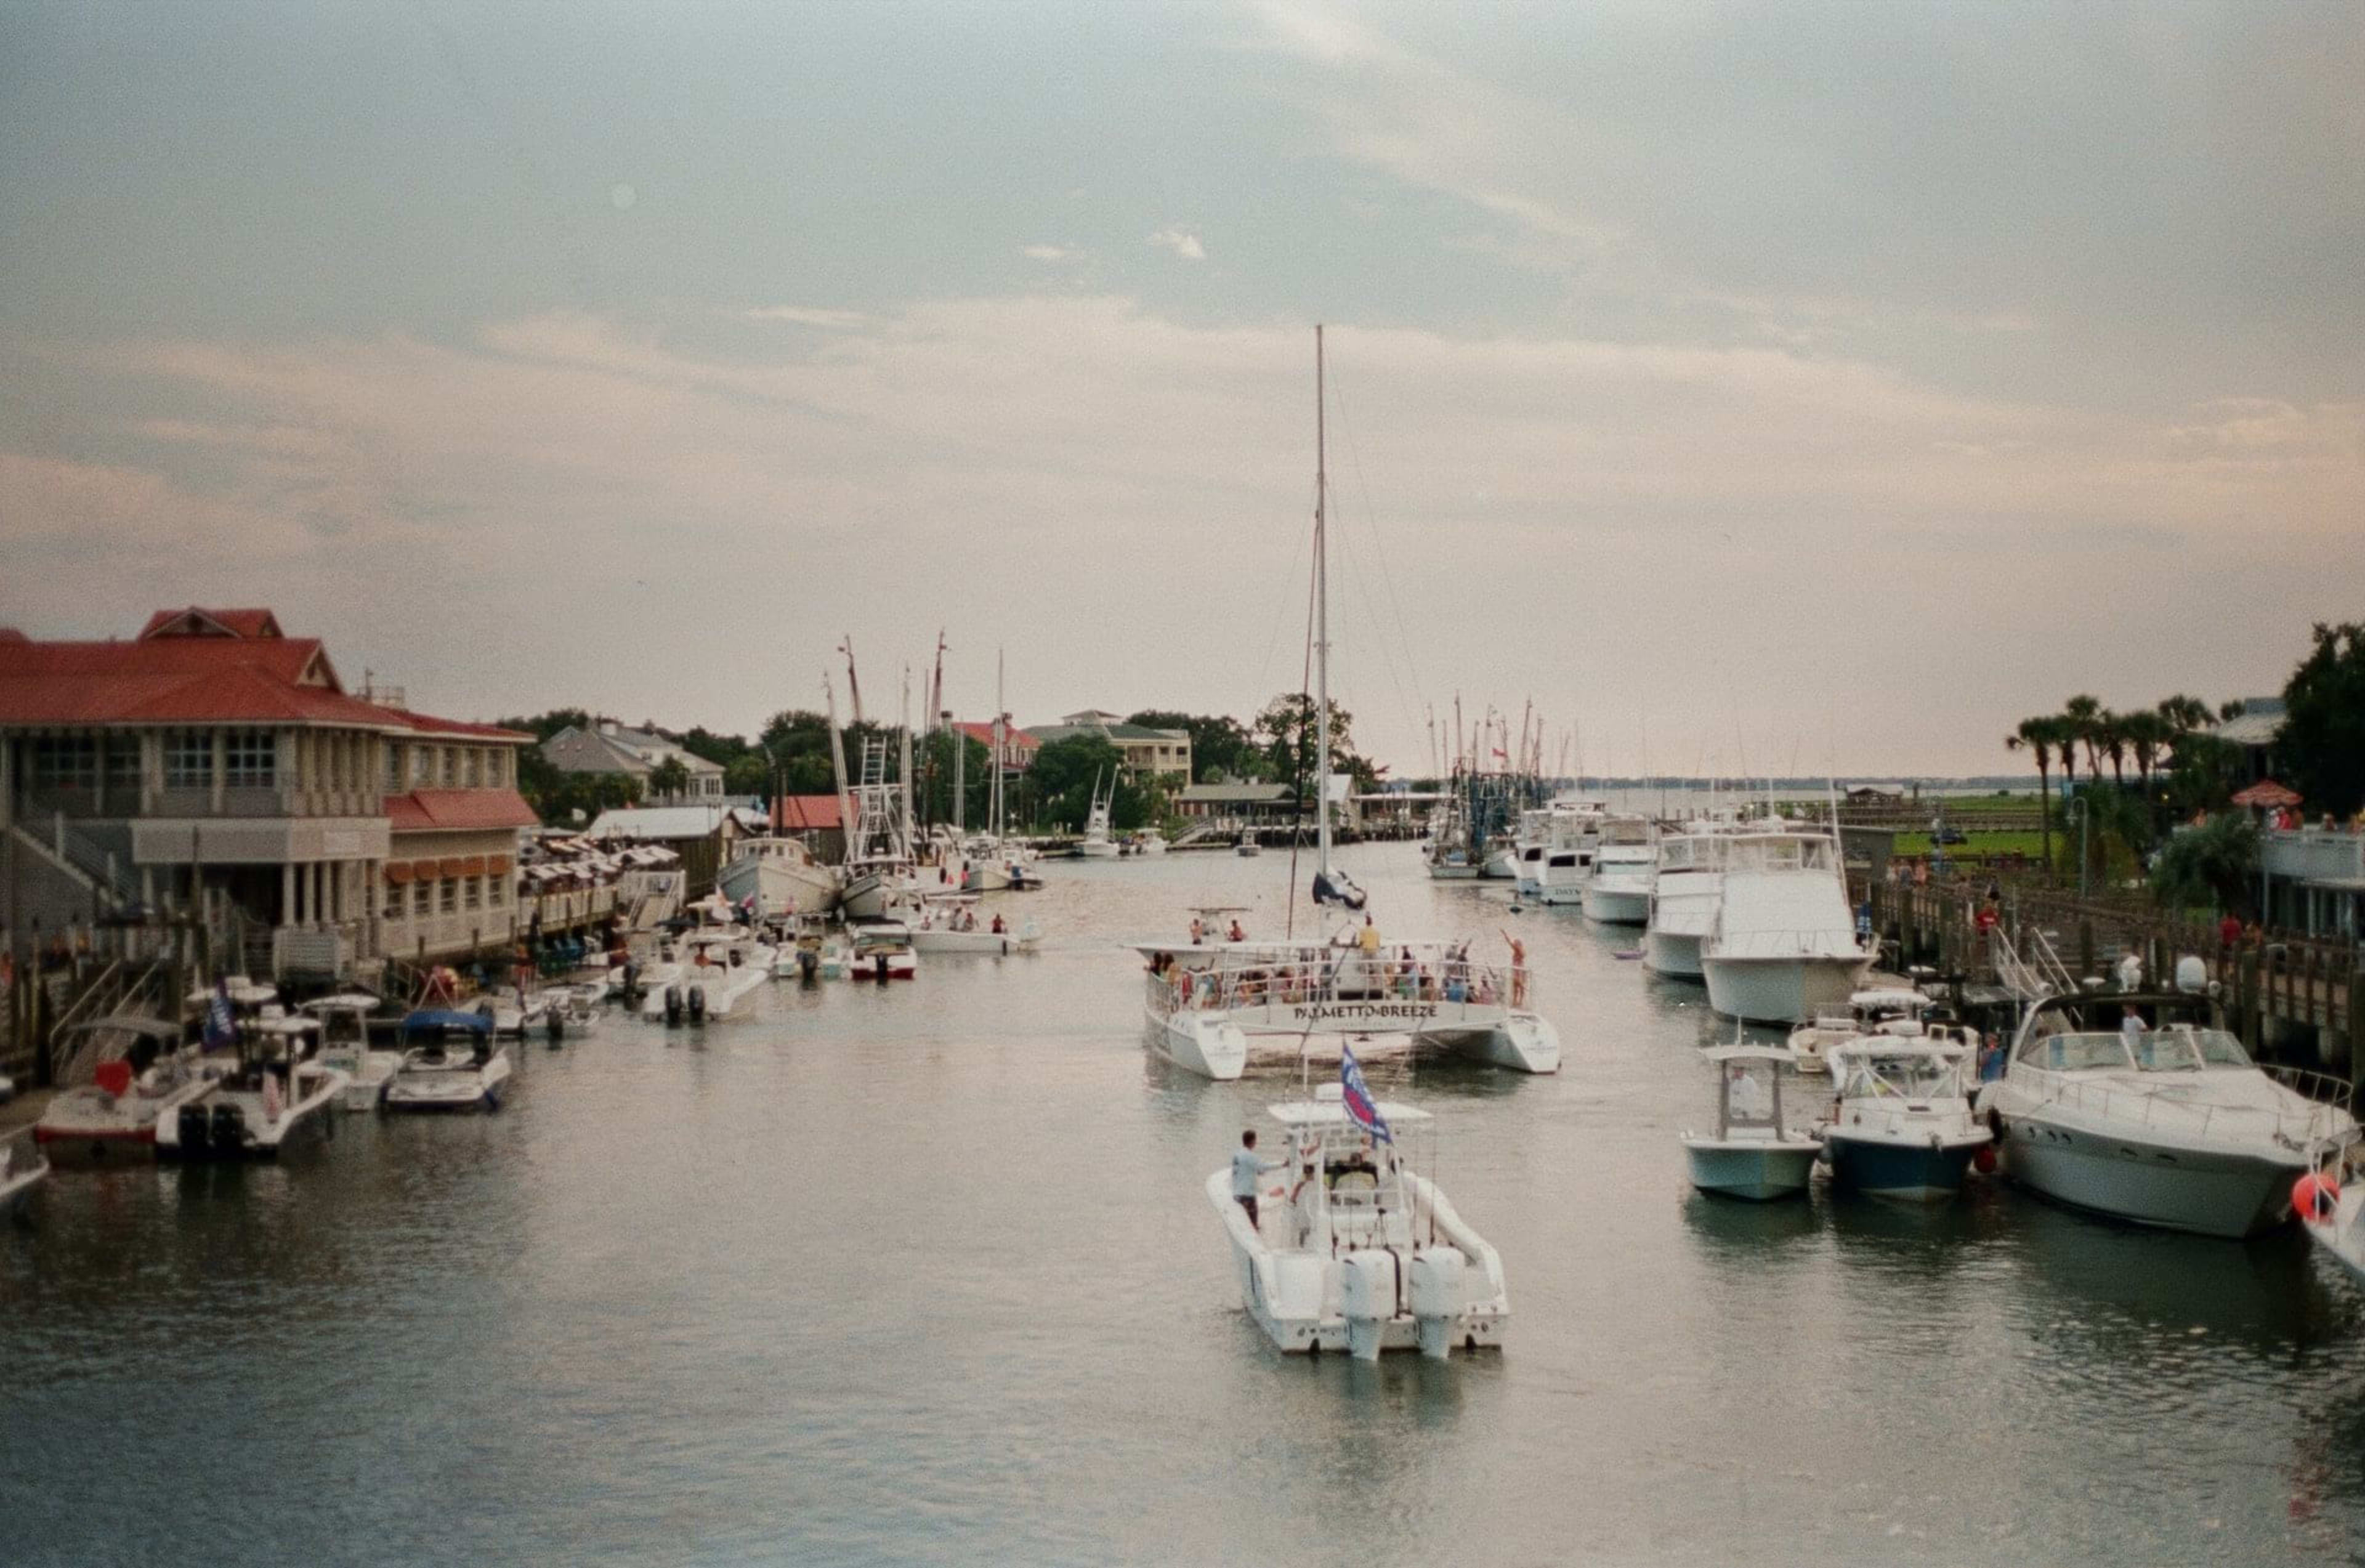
497	864
398	871
473	866
2267	794
453	865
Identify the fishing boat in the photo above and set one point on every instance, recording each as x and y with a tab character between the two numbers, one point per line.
1902	1126
780	875
1884	1012
1782	944
23	1168
1352	1249
1572	836
143	1073
1752	1155
1096	844
726	966
345	1046
274	1102
1687	883
450	1062
2166	1124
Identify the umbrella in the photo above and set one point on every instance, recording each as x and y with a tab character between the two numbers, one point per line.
2267	794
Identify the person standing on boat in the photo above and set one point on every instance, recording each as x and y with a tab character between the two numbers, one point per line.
1518	970
1247	1170
1369	938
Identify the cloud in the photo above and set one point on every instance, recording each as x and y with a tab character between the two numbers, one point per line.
1183	243
802	315
1050	252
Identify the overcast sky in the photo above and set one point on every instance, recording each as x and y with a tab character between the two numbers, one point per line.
1767	386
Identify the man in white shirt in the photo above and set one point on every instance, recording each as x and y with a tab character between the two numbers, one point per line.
1248	1170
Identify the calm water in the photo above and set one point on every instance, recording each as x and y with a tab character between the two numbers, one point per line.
926	1275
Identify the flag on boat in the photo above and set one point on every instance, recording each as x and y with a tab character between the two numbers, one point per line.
1357	1096
222	1029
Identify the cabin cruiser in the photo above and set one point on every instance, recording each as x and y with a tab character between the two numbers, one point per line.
1753	1154
1782	944
780	875
450	1062
1572	835
1527	850
951	925
1350	1250
1902	1126
277	1099
345	1045
112	1120
1686	884
2141	1105
1212	1007
1618	889
1888	1011
23	1168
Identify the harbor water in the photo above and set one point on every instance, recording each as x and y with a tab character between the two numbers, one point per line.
926	1273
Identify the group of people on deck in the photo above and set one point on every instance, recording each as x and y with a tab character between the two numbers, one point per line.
1380	974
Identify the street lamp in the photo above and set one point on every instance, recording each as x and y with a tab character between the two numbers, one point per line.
2078	804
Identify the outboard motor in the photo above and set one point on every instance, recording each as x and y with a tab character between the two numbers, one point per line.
673	1004
1368	1295
631	987
229	1129
554	1023
697	1004
1436	1290
192	1128
808	965
881	960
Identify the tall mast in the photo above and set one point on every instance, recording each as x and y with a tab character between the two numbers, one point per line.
1321	625
1000	718
838	766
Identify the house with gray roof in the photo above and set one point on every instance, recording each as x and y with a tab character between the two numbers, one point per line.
609	747
1147	753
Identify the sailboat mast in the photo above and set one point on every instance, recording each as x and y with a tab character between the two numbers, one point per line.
1000	718
838	766
1321	624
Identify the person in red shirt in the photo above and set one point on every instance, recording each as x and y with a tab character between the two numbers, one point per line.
2229	931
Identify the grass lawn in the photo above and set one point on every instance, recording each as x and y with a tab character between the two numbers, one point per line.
1976	843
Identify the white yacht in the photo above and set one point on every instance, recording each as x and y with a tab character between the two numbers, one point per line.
2168	1123
780	875
723	967
1782	944
1902	1126
1572	836
1687	883
450	1062
1753	1154
1353	1251
1617	890
1527	850
1096	844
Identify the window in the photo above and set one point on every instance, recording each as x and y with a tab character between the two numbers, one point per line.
422	898
68	762
472	888
395	902
450	885
496	764
392	768
422	765
251	759
497	890
189	759
450	767
122	766
475	768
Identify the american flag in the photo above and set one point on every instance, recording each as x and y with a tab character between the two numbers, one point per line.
1361	1107
222	1029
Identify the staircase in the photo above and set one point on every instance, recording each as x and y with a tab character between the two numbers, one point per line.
71	853
124	986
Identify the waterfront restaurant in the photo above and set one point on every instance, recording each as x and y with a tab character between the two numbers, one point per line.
214	763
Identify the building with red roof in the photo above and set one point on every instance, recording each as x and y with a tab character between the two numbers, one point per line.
214	763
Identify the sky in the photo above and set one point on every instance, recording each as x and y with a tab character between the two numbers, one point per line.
1749	389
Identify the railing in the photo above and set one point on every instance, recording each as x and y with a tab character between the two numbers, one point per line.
1353	979
113	989
2322	1122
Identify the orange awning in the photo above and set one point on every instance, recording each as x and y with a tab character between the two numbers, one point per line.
453	865
398	871
497	864
473	866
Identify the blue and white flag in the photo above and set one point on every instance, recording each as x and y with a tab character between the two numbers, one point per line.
1361	1107
222	1029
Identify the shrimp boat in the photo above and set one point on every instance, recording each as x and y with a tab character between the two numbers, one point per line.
1209	1008
1354	1251
780	875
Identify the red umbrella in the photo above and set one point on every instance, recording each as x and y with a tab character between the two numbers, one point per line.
2267	794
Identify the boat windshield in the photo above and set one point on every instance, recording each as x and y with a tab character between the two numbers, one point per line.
1915	1076
2074	1052
2182	1048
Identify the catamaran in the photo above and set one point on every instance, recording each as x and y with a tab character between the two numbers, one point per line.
1209	1008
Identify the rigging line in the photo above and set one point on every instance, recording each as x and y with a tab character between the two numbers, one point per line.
1297	781
1281	615
1372	521
1371	618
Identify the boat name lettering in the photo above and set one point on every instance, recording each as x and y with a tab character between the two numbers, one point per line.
1365	1010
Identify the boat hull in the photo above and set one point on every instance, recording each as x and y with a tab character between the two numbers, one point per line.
452	1089
1780	991
303	1123
1672	954
1611	906
1759	1172
2341	1238
1922	1172
985	944
1211	1046
1450	872
2226	1195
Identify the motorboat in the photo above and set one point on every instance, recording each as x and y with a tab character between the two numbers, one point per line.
1753	1154
1886	1011
345	1046
23	1168
1527	850
880	950
2333	1218
1686	884
1150	841
112	1119
1096	844
1901	1125
277	1100
1617	887
1350	1250
1497	862
574	1013
515	1014
720	975
1572	837
950	925
1247	845
2141	1105
450	1062
1782	945
779	875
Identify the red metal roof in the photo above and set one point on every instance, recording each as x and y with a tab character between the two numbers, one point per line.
806	813
1013	737
428	725
454	810
233	623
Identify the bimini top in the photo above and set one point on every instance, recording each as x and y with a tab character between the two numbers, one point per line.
1893	996
1886	1049
129	1024
1329	1109
473	1022
1721	1054
344	1001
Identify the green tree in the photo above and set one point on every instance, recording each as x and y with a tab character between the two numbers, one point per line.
544	725
1060	781
670	780
2323	738
2081	719
705	744
747	774
1286	730
2214	865
2039	738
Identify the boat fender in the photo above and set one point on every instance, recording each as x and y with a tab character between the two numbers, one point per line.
2315	1195
1984	1160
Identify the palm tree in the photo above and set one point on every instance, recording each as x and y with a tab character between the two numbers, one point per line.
2146	732
2038	737
2084	715
2185	713
2111	731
